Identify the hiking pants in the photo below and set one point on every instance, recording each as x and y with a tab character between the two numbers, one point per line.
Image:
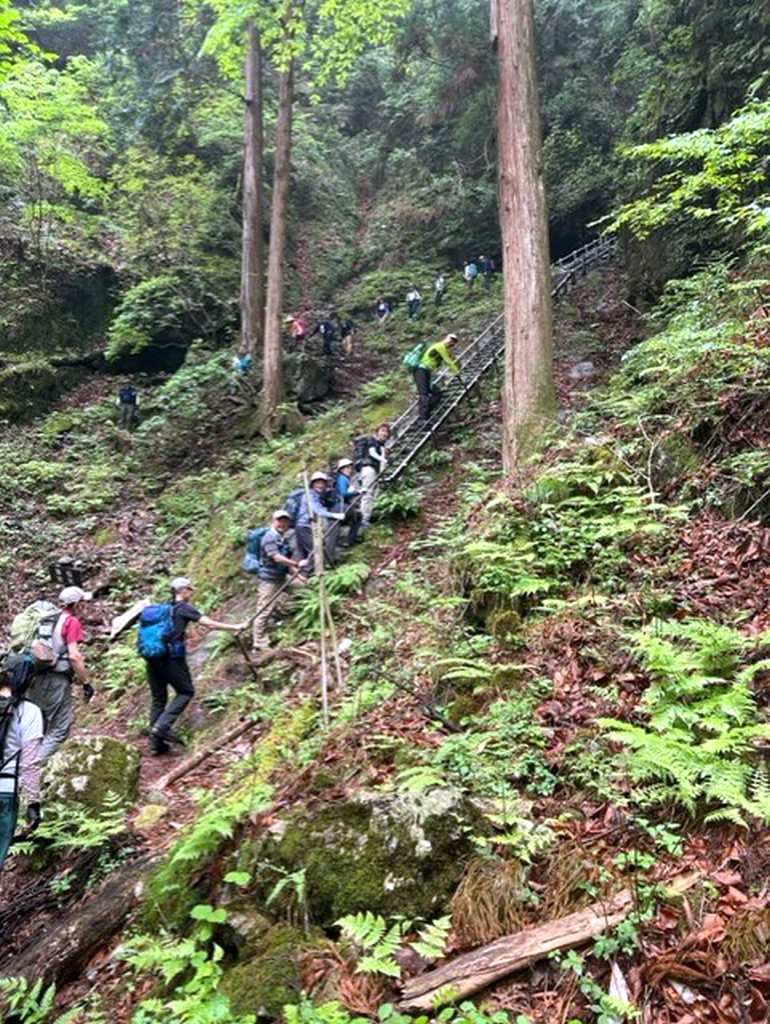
368	493
127	414
268	604
9	809
52	692
162	673
304	535
422	381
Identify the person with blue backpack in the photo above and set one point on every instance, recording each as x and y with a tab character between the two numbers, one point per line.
277	570
161	642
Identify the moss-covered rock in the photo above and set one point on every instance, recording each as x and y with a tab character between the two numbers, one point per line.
265	982
95	772
391	853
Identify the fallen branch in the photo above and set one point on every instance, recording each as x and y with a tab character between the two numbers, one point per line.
474	971
192	762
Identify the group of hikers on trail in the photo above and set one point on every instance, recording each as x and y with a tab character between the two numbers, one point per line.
37	704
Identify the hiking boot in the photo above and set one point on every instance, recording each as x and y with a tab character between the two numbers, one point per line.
158	747
166	736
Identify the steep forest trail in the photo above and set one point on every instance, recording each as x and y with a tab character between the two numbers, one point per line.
613	327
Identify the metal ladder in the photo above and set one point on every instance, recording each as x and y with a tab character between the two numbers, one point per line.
486	350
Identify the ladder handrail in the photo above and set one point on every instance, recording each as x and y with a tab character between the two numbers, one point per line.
478	355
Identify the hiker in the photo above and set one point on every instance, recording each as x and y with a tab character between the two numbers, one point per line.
470	273
487	269
347	329
171	669
413	300
428	394
439	288
128	405
51	689
317	508
242	362
382	311
371	462
298	329
21	737
348	495
278	570
328	333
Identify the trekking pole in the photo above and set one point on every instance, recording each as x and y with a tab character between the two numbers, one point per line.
319	565
246	658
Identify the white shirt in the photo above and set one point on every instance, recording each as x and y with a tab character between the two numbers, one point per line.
25	734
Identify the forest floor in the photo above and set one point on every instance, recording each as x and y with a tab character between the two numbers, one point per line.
725	566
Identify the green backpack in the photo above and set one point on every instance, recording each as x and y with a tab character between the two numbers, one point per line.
413	358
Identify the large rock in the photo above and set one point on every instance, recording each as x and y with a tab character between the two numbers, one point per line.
96	772
391	853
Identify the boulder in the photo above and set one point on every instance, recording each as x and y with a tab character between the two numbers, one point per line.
388	852
95	772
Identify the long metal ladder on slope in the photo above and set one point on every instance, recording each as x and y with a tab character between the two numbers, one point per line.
478	356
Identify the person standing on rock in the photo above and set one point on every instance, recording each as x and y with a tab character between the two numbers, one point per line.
172	670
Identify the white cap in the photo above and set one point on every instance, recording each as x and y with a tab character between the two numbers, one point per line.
319	476
281	513
344	463
71	595
181	583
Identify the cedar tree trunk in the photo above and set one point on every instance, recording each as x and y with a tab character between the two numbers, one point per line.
528	389
272	381
252	242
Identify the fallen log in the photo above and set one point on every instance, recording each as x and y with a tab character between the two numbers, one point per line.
62	948
474	971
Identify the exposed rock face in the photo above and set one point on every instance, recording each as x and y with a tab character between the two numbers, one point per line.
390	853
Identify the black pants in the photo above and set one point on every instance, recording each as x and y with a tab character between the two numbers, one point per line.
428	395
162	673
304	537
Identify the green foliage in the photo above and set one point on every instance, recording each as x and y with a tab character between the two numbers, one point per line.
332	1013
190	971
696	748
607	1009
380	941
714	175
399	502
339	584
30	1004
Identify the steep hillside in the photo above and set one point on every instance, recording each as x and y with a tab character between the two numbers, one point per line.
548	694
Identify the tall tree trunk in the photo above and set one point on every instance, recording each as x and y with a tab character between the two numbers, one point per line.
529	399
272	379
252	243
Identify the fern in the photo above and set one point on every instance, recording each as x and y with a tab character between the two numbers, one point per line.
697	746
431	941
379	942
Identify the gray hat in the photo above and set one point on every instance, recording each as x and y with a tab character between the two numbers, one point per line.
71	595
182	583
281	513
319	476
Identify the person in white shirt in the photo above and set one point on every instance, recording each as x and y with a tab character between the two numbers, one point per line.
371	467
21	739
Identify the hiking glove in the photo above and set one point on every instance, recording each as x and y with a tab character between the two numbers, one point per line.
33	815
88	692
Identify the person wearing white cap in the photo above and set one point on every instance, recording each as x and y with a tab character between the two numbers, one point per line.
51	689
349	496
278	569
317	508
172	669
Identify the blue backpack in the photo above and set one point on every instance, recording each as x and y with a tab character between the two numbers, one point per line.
252	560
156	625
293	503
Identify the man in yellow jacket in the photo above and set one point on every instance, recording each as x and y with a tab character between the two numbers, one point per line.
428	395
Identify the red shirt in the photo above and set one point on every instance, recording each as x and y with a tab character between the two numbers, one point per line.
71	630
